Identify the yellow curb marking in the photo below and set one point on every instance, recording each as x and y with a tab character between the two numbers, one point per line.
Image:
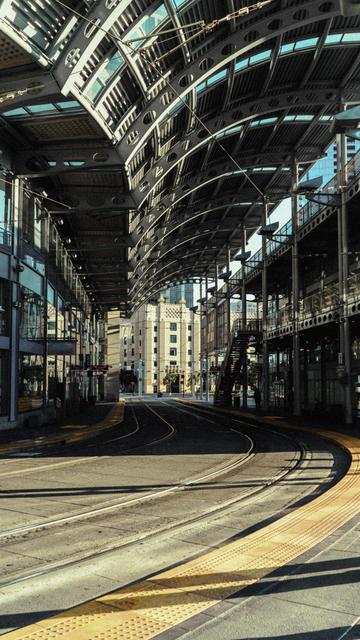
149	607
84	433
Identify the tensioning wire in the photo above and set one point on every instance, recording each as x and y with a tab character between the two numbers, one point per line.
168	83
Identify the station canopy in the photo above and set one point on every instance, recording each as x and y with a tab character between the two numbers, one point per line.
153	131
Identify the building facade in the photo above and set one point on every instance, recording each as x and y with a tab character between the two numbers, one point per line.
158	349
178	292
50	334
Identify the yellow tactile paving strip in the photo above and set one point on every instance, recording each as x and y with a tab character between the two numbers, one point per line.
147	608
67	433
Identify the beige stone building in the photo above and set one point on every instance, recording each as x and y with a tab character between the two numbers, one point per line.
159	340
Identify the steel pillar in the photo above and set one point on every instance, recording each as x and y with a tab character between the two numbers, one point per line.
295	294
265	363
216	316
206	344
343	266
244	319
228	296
14	311
200	341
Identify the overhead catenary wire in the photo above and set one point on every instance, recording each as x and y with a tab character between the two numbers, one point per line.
35	193
153	64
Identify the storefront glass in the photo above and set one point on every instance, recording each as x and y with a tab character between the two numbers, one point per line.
4	306
31	315
51	313
31	382
4	382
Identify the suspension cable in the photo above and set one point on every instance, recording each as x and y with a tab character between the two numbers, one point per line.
238	13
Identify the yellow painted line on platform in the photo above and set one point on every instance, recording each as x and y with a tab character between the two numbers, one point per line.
145	609
83	432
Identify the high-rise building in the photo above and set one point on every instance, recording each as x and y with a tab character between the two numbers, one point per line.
327	166
179	292
160	344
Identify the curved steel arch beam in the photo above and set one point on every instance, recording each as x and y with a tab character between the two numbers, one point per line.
237	116
187	218
180	244
164	278
220	170
158	289
133	133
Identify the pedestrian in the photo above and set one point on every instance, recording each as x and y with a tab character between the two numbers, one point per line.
257	398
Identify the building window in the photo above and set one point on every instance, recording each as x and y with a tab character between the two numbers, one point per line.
155	376
4	382
125	363
125	340
31	315
132	352
173	326
155	328
189	338
155	363
189	352
125	353
31	382
155	338
173	338
139	343
155	350
173	351
139	332
173	363
132	339
189	327
4	307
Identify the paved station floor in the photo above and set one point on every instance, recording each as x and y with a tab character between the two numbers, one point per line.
275	568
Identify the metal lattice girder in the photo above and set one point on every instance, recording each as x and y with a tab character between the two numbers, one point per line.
133	135
19	36
170	247
29	88
198	181
239	115
190	214
79	203
39	162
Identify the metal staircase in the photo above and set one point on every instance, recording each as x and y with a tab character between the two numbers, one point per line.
233	363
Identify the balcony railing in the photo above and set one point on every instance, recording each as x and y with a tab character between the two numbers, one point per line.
279	318
304	214
6	233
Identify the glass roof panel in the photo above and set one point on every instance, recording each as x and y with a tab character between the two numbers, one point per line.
333	38
308	43
351	37
41	108
15	112
259	57
70	104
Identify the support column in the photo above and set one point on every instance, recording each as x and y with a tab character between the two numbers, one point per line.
201	342
216	316
14	353
265	364
228	297
244	319
295	295
343	265
206	343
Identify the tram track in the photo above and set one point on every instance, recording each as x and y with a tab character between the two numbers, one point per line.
187	483
300	457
